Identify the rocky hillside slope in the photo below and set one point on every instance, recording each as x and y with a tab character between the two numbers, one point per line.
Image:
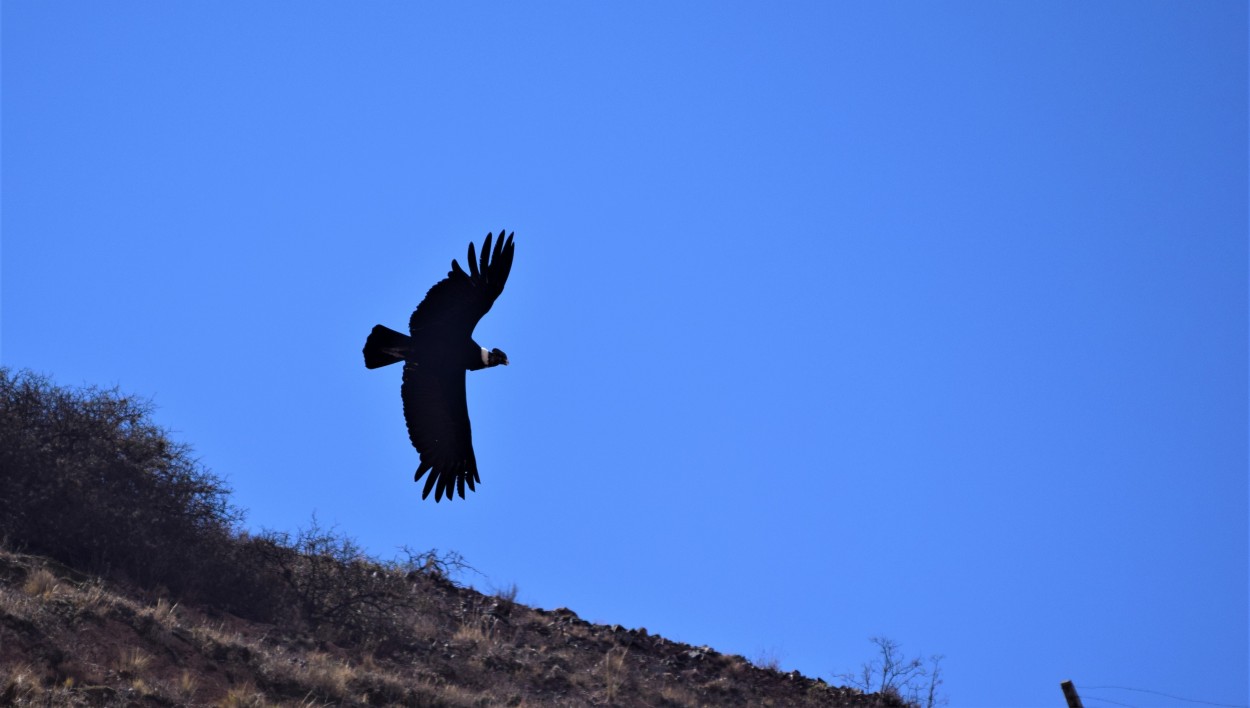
127	579
71	639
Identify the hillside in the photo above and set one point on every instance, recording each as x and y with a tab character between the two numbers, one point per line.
71	639
125	579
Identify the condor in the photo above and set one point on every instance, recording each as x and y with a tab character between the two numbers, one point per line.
436	352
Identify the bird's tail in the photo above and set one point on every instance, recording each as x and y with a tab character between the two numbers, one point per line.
385	346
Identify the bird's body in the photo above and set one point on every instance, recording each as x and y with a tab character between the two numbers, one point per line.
437	352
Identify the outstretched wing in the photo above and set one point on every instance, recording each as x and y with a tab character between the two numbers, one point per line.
438	424
455	304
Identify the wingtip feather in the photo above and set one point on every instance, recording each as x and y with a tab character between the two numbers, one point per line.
486	254
429	482
498	250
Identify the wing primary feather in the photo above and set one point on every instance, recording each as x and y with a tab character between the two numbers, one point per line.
505	264
429	484
421	469
472	261
485	269
449	480
496	256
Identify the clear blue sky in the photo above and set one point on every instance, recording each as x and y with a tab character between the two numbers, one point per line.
828	320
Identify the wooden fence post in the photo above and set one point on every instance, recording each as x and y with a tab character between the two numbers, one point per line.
1069	693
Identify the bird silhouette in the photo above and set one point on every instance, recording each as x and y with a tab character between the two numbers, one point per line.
437	351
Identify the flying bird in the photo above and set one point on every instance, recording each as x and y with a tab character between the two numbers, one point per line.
436	352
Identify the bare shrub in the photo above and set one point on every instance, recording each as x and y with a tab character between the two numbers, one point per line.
447	566
89	480
337	586
894	676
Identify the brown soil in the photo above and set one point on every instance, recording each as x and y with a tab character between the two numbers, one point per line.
69	639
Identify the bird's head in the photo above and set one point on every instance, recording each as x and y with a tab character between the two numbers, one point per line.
496	357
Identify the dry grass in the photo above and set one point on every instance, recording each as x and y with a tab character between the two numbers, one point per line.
613	672
327	675
507	595
93	600
14	604
472	633
245	696
23	685
209	637
21	682
141	687
478	629
451	694
187	686
469	633
133	662
467	652
768	660
163	612
41	584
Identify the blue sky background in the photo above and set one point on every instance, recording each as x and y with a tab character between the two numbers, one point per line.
827	321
